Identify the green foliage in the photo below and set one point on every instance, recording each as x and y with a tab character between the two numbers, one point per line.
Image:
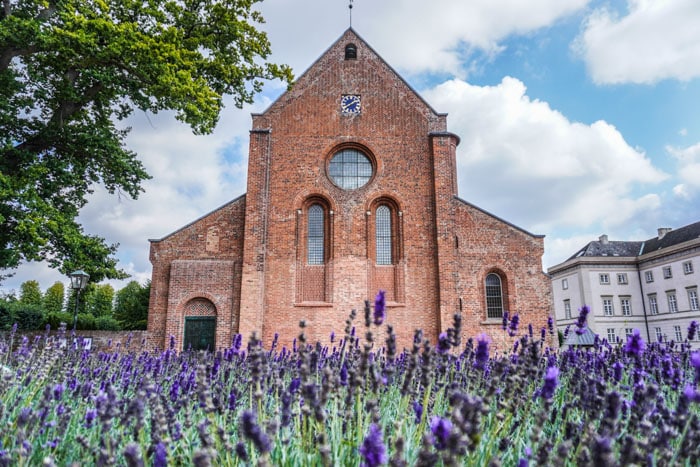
85	322
30	293
27	317
7	317
55	319
70	71
98	300
54	298
107	323
131	306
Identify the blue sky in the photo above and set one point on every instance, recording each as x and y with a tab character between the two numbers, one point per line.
577	117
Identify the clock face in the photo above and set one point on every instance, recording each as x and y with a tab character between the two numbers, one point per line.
350	104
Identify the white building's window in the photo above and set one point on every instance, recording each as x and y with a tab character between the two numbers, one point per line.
649	276
608	306
672	301
688	267
567	309
653	305
628	332
678	335
625	306
667	272
659	336
622	278
604	278
693	299
611	335
565	284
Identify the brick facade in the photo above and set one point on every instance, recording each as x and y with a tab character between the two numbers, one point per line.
249	258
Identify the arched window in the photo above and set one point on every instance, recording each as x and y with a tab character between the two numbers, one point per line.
494	296
350	52
383	233
315	247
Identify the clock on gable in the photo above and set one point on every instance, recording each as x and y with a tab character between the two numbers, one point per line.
350	104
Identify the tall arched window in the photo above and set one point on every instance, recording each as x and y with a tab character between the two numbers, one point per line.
383	233
315	248
494	296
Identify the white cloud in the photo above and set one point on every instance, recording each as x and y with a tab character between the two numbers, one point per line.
688	170
414	36
527	163
655	40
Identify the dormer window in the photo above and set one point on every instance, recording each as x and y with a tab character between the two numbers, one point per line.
350	52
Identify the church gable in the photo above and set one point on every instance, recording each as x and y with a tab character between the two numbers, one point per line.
216	234
366	82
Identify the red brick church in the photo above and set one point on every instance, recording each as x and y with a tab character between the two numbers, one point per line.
352	188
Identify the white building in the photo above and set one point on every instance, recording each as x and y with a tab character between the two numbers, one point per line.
650	285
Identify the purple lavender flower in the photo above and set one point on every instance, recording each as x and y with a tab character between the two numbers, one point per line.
505	320
373	450
132	454
440	428
635	344
294	385
550	325
23	417
231	400
691	393
253	432
90	416
58	391
582	319
160	455
695	362
418	410
379	305
443	345
692	330
481	355
550	382
617	371
344	375
513	328
241	451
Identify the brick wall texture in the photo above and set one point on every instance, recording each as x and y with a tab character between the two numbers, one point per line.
248	259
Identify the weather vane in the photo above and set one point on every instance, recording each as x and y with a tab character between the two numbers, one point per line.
350	9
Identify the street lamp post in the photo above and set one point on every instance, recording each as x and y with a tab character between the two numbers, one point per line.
78	281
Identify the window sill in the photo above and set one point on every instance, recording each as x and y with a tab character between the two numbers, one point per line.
492	322
314	304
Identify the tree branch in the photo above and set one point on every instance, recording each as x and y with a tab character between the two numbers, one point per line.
8	53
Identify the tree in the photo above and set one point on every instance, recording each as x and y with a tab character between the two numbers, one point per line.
54	298
131	305
99	301
30	293
70	70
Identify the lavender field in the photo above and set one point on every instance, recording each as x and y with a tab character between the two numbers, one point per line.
355	402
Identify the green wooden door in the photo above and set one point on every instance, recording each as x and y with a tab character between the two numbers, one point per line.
200	333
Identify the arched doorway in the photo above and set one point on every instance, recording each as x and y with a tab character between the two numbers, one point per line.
200	325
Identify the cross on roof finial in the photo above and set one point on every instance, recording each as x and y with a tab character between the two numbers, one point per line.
350	10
